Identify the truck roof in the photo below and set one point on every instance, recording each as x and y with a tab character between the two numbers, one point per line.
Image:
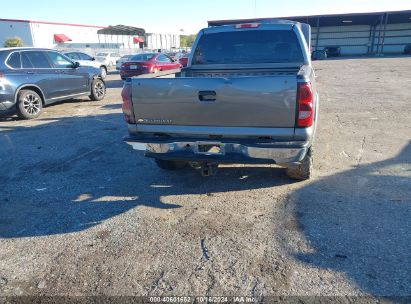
234	22
256	20
261	26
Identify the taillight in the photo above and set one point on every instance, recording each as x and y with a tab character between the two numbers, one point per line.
305	113
127	104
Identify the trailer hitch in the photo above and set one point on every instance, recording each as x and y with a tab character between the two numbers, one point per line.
208	169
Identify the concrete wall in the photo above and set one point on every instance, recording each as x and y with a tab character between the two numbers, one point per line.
9	29
43	34
39	34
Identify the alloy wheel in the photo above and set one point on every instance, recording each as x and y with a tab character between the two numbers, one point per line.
99	89
31	104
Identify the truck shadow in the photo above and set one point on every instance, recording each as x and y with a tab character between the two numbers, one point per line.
8	117
75	102
65	175
358	223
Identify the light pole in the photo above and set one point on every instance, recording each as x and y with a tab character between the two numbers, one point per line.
255	8
181	34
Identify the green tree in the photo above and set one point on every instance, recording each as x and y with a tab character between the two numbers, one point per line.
187	40
13	42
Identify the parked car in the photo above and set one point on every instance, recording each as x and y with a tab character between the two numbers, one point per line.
31	78
179	55
87	60
333	51
146	64
247	96
184	60
319	55
172	55
109	59
123	59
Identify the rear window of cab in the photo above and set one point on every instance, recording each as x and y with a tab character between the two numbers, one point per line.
248	47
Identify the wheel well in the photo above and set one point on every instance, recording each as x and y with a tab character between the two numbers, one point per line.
32	88
103	66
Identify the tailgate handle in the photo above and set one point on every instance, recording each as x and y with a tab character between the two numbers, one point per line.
207	95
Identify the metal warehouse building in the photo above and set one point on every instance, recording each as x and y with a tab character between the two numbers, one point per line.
356	34
66	36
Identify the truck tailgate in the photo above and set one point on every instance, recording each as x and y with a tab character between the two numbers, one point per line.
265	102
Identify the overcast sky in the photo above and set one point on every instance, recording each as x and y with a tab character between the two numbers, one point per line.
176	15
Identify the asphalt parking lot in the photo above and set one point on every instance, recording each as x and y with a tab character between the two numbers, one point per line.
82	214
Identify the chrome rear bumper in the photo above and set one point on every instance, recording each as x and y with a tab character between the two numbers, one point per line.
229	152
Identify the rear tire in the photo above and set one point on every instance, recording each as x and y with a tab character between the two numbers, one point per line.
98	90
29	104
170	165
304	170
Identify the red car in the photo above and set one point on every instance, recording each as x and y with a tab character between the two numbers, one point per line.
184	60
147	64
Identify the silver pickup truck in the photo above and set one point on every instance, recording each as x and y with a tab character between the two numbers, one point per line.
248	95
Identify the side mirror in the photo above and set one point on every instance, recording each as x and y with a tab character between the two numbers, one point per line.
76	65
93	59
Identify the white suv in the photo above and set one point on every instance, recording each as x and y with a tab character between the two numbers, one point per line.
108	58
87	60
123	59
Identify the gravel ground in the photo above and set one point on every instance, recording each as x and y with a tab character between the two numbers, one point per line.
82	214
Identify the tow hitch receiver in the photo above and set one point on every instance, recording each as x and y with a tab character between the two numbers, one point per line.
208	169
